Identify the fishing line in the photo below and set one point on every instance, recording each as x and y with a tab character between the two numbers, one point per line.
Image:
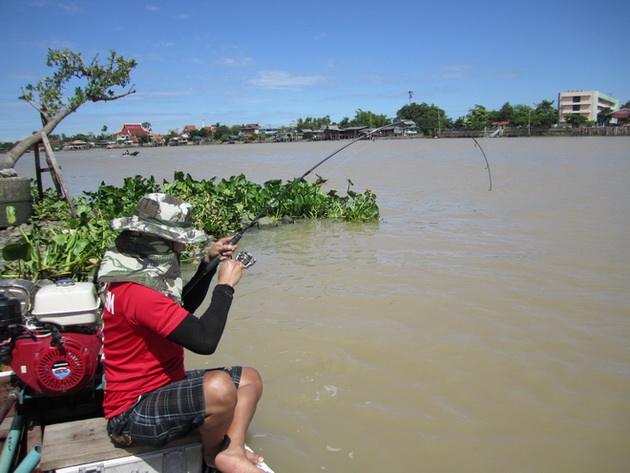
236	238
348	161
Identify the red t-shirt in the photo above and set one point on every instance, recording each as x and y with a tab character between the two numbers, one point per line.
138	357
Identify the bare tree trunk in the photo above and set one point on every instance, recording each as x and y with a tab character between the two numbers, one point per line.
23	146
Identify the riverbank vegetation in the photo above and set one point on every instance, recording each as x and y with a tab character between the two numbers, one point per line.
57	246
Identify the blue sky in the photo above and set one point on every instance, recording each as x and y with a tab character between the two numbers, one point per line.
209	61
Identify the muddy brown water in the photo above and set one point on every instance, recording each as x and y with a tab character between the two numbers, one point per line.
468	331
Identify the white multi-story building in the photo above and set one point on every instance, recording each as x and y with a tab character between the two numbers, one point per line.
585	103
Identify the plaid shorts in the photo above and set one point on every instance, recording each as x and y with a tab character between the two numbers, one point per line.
165	414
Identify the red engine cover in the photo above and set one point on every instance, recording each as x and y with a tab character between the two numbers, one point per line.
57	370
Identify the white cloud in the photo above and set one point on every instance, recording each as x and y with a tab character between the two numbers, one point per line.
246	61
71	8
283	80
152	7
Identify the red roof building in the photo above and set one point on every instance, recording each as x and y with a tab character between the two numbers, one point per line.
621	113
129	130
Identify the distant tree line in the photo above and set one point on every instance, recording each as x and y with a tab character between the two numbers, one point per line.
47	97
429	118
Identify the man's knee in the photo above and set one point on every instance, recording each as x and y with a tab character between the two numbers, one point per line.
251	377
219	390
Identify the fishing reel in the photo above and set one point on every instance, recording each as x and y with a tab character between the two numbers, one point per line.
246	259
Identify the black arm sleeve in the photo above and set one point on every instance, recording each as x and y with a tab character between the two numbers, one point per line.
201	335
197	288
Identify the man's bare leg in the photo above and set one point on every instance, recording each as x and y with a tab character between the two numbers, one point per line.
229	412
234	457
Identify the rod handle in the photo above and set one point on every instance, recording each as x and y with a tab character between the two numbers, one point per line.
214	262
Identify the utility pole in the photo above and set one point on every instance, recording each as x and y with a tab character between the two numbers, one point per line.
529	121
410	96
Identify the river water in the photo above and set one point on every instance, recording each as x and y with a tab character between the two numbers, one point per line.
469	331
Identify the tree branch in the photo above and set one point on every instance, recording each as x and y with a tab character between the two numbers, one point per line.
51	105
116	97
27	98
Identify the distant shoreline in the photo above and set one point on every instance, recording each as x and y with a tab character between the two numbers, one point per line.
506	133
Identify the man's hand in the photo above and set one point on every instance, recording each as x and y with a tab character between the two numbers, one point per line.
221	247
230	273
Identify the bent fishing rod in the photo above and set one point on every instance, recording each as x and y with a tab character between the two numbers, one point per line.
246	258
484	157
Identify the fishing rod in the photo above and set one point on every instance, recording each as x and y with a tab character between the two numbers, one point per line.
246	258
484	157
469	135
239	235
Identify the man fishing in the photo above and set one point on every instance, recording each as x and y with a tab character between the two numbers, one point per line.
149	397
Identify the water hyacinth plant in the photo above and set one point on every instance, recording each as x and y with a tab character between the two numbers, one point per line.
58	246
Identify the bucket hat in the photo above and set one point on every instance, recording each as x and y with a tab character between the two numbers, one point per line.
163	215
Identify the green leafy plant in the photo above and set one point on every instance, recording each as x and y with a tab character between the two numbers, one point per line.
60	246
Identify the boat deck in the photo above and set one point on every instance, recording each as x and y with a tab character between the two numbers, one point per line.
82	446
68	446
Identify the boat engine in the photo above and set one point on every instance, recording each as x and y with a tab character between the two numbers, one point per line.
50	336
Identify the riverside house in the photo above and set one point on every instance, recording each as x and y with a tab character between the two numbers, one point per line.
130	133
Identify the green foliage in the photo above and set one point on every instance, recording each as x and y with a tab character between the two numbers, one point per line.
70	66
49	207
72	247
430	117
221	208
603	116
545	115
427	117
369	119
91	82
506	114
222	131
59	251
312	123
478	117
575	119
